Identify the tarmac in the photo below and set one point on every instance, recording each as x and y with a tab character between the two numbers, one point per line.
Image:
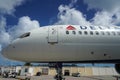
47	77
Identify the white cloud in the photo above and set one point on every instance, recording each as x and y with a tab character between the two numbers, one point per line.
116	19
107	5
69	15
105	18
4	36
25	24
2	23
108	14
102	18
8	6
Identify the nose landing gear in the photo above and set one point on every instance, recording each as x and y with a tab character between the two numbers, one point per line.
58	67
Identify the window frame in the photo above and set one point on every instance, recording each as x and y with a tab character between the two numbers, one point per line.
25	35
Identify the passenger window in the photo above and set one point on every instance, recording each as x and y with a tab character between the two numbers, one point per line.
113	33
108	33
80	32
85	32
67	32
97	33
102	32
73	32
118	33
91	32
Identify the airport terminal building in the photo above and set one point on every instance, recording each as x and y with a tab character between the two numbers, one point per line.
66	70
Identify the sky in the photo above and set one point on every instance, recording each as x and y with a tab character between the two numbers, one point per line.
20	16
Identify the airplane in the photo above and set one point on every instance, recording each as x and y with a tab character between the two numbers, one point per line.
68	44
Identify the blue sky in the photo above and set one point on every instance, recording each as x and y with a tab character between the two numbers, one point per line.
20	16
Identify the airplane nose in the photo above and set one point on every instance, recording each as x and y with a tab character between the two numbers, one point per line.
6	52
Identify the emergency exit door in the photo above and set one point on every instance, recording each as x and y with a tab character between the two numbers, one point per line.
52	35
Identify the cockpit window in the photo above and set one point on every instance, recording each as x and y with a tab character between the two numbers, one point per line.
25	35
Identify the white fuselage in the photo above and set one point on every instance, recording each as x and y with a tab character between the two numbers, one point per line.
64	43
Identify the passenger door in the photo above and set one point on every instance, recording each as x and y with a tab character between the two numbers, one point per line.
52	35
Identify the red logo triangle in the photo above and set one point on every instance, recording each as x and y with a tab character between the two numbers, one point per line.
70	28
